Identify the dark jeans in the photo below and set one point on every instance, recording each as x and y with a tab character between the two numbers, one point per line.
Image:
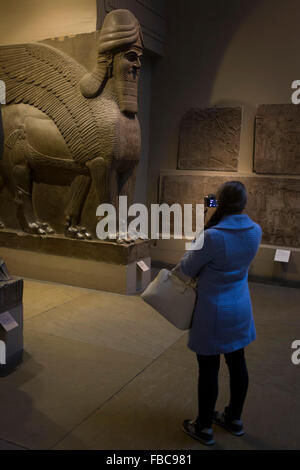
208	385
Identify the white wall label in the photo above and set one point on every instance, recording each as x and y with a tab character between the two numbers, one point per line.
7	321
143	266
282	255
2	352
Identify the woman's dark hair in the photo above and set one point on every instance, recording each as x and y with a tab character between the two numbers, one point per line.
232	199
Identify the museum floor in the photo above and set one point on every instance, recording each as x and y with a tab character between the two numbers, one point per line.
104	371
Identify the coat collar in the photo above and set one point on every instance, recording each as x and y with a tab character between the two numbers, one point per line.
235	222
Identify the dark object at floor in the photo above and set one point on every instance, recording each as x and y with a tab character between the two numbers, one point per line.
11	322
4	274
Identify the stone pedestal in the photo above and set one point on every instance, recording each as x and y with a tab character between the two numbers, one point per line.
93	264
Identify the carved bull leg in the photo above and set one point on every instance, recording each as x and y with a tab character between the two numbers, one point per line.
21	182
79	190
127	184
22	179
100	170
104	178
127	187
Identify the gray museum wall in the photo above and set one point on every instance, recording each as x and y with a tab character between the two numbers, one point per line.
225	54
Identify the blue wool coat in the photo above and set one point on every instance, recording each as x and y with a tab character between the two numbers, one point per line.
222	320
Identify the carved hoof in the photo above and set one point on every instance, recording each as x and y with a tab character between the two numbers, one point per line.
77	232
130	238
39	228
125	241
46	227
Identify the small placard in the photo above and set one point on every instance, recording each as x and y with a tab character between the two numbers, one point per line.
282	255
7	321
143	266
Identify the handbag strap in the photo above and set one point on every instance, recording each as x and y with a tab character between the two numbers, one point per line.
189	281
185	283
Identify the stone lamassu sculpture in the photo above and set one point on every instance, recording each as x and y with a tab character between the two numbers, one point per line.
63	125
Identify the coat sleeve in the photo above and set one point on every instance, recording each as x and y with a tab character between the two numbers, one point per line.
194	260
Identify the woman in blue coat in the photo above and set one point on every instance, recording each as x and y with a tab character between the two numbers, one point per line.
222	320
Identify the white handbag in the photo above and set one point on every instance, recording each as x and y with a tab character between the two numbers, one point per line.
173	296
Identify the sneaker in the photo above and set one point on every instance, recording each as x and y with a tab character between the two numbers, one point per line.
204	435
234	426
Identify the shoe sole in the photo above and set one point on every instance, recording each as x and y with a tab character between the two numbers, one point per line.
194	436
222	425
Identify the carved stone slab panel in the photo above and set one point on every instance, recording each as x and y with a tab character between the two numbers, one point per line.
274	203
209	139
277	139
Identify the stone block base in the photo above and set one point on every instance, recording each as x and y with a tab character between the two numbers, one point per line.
90	264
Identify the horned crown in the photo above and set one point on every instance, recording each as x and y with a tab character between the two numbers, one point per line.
120	29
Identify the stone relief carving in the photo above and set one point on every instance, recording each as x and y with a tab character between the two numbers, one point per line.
210	139
63	125
273	202
277	139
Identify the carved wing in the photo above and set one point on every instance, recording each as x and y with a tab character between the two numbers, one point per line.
42	76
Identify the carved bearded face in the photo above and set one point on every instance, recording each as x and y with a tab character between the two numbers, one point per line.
126	70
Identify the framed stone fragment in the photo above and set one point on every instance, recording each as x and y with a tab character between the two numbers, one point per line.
273	202
209	139
277	139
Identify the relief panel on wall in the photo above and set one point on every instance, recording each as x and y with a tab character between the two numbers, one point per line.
277	139
209	139
274	203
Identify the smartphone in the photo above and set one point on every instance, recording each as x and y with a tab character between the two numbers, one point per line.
210	201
